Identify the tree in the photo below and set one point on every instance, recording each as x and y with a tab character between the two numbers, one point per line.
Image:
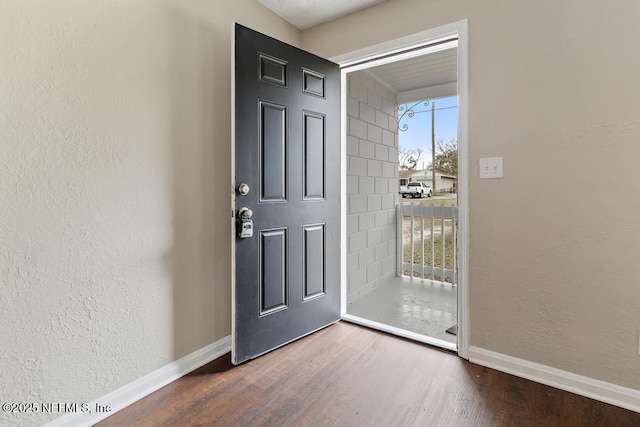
409	158
446	159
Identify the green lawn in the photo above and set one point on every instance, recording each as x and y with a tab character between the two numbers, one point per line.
447	201
417	253
448	236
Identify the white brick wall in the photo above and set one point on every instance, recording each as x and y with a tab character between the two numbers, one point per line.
372	151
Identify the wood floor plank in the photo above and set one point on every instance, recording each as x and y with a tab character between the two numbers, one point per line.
346	375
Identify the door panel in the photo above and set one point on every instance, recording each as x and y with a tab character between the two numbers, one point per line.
273	152
273	271
287	150
314	150
313	261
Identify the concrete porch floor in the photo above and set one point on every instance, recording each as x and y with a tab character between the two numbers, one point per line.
420	306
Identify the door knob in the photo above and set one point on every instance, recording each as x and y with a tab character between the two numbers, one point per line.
245	213
243	189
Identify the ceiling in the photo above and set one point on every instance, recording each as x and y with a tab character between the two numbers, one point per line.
427	70
428	76
305	14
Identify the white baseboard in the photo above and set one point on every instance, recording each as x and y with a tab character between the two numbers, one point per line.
613	394
136	390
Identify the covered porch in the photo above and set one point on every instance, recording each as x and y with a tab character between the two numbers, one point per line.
424	308
419	300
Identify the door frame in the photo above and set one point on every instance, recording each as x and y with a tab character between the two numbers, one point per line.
396	50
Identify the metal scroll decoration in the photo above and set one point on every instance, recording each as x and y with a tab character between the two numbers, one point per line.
409	112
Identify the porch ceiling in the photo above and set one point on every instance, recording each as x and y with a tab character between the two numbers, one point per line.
422	71
428	76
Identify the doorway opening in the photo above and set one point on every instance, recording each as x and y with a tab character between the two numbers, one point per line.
404	258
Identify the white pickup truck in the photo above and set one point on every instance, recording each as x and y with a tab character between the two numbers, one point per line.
415	189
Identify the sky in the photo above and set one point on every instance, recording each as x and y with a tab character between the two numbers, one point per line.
418	133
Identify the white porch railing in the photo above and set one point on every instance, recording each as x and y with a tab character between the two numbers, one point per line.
426	241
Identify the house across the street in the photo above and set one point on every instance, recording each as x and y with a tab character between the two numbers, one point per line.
444	183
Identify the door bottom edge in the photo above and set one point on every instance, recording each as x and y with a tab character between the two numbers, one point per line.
247	359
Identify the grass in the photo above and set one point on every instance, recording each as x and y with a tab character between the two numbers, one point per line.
447	201
417	253
437	261
437	237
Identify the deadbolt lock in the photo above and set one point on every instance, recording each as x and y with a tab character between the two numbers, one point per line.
245	223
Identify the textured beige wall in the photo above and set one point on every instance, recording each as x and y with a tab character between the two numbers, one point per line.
114	172
114	184
554	271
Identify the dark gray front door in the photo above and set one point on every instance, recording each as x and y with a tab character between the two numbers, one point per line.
287	150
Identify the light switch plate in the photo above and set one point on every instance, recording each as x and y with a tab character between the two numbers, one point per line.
491	167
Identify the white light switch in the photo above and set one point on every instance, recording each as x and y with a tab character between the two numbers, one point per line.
491	167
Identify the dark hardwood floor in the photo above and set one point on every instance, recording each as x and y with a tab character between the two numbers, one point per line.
346	375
